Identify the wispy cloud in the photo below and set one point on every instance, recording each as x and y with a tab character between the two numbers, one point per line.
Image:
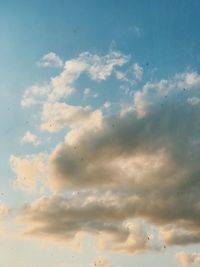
51	60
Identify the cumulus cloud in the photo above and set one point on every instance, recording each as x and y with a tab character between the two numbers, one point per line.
51	60
187	259
153	93
30	138
56	116
142	164
124	143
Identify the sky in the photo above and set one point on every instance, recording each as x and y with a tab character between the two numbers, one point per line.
99	136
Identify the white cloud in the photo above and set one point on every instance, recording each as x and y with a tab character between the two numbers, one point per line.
100	68
56	116
34	95
155	93
97	67
30	138
51	60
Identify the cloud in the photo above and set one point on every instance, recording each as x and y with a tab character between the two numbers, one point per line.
180	236
56	116
34	95
98	68
154	93
61	219
131	75
153	156
138	71
107	105
30	171
123	143
51	60
188	259
88	93
30	138
139	165
120	75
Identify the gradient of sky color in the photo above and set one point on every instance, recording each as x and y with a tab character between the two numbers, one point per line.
99	136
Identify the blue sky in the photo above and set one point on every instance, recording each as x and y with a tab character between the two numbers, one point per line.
99	133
